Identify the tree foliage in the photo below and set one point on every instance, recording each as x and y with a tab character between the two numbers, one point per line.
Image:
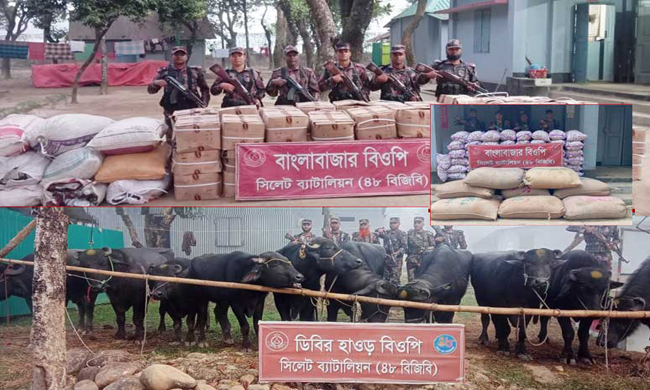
44	14
227	16
182	13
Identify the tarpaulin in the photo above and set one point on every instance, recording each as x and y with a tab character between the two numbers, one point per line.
119	74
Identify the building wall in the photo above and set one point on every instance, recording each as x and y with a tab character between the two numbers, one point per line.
427	39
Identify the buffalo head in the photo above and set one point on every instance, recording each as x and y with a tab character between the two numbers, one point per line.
620	328
271	269
174	269
331	258
101	259
536	265
421	290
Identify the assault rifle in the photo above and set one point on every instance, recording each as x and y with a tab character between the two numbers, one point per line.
239	88
352	87
295	87
412	96
172	82
472	87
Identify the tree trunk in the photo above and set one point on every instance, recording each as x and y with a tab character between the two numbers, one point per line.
356	16
6	68
308	45
267	33
246	29
103	89
99	35
407	35
292	24
48	321
156	229
18	239
325	28
280	38
135	240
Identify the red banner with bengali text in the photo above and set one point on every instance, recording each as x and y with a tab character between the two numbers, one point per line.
295	170
515	156
361	352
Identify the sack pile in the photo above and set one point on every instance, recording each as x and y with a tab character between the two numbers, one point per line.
641	172
512	193
503	100
458	152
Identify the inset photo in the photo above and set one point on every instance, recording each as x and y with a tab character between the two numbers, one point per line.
536	164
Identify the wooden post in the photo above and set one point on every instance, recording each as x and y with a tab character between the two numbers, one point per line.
18	238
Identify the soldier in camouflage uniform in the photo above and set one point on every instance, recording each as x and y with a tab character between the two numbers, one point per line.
400	71
364	234
549	123
454	238
602	250
418	241
250	78
334	233
303	76
355	72
454	65
306	236
472	123
499	123
523	123
192	77
396	244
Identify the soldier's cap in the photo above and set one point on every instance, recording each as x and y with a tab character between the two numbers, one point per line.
176	49
454	44
342	45
333	218
304	221
290	49
239	50
394	219
398	49
418	219
364	220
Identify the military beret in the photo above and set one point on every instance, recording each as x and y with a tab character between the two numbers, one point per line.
239	50
306	220
176	49
342	45
398	49
364	220
290	49
416	219
334	218
394	219
454	44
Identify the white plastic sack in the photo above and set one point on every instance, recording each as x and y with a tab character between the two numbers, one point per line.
523	142
461	136
12	143
524	135
475	143
557	135
491	143
443	161
575	135
574	145
22	170
457	176
508	135
491	136
62	133
76	164
131	135
456	145
507	143
136	191
574	153
541	135
458	154
457	169
21	196
442	174
460	161
537	141
74	192
475	136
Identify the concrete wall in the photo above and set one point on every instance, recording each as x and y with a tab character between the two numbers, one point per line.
427	39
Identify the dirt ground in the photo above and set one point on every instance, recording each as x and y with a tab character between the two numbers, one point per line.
124	102
485	370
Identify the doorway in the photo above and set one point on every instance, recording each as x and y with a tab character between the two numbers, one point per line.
615	135
593	48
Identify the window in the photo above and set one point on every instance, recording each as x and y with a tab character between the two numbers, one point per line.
228	232
482	31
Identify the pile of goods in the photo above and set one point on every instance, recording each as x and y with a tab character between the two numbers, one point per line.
641	172
466	99
512	193
455	164
84	160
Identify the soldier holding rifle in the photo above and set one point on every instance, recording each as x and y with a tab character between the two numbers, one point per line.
397	81
293	83
243	85
345	79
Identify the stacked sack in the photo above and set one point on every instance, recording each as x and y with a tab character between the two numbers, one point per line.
135	167
573	151
196	162
640	171
539	193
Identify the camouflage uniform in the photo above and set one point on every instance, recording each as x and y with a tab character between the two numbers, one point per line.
471	124
250	78
599	249
373	238
303	76
499	125
339	237
355	72
418	242
306	237
522	126
406	75
396	244
454	238
464	70
549	124
172	100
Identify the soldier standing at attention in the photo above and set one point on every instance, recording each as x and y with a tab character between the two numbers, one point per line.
395	243
454	238
454	65
419	240
335	234
599	241
192	77
250	78
355	72
400	71
304	76
306	236
364	234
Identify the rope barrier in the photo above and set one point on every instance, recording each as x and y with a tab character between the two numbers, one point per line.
349	297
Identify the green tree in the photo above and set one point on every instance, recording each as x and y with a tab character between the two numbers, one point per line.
226	15
407	35
100	16
44	14
14	20
182	13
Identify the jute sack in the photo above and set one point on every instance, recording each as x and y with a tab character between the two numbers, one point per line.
588	186
537	207
552	178
524	191
137	166
641	198
594	207
495	178
460	189
465	208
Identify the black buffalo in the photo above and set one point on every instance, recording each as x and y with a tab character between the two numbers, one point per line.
123	293
16	280
173	297
312	261
441	278
365	280
269	269
580	283
635	296
511	279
